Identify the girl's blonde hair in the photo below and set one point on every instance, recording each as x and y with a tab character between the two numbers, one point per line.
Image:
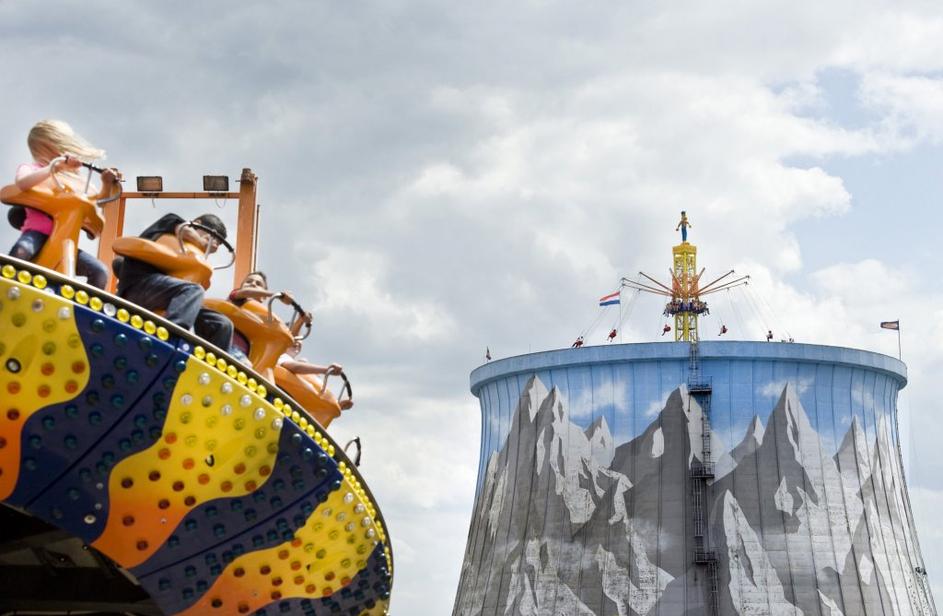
51	138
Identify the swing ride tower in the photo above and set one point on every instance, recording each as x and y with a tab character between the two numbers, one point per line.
685	292
704	478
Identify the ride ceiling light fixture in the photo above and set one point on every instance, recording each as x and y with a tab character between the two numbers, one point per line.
216	183
150	183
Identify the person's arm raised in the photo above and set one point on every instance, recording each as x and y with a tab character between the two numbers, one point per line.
27	177
110	177
303	367
256	294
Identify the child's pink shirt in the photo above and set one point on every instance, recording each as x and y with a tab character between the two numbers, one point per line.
35	220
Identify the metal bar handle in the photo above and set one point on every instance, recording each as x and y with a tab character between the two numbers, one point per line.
221	239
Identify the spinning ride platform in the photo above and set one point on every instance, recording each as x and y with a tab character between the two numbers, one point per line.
212	489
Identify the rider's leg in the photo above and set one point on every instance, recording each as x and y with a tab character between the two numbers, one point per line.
215	328
181	299
28	245
94	270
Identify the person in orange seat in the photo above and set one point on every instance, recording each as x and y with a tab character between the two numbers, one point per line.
300	366
47	141
255	286
150	288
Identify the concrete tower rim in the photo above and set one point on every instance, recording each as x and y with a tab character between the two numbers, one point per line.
666	351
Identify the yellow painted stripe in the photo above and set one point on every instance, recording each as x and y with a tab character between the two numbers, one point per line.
323	557
219	440
42	362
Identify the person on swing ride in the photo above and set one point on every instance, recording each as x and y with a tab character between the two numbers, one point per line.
152	289
49	142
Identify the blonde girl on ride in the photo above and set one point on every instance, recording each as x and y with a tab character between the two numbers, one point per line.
48	141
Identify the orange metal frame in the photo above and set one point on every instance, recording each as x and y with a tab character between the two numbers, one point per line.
247	225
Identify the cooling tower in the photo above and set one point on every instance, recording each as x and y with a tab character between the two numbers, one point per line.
674	479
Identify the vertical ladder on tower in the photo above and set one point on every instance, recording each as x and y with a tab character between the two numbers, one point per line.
702	471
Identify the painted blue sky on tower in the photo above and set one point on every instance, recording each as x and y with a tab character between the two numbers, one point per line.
630	393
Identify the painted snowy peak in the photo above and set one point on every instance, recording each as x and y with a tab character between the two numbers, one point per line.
566	523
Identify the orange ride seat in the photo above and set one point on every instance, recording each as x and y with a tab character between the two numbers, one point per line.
71	212
268	336
309	391
168	254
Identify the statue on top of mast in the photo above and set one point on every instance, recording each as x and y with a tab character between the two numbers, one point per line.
683	225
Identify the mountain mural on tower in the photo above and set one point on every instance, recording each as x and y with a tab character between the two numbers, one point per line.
567	523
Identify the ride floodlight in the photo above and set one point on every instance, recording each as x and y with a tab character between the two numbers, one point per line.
150	183
216	183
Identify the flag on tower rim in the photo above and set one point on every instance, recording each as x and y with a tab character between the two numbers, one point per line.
609	300
890	325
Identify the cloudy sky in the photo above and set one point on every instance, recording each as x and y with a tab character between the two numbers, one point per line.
441	177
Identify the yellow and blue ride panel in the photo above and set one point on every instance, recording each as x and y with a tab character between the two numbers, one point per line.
219	496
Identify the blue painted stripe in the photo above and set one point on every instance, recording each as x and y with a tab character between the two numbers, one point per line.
123	363
219	531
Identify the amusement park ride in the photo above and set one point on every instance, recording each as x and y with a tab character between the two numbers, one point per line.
685	289
144	471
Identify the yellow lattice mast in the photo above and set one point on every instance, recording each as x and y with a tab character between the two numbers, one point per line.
685	293
685	302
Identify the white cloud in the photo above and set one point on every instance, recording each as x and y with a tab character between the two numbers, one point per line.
774	389
601	394
913	105
655	406
351	282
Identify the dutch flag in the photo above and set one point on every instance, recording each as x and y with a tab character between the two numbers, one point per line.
609	300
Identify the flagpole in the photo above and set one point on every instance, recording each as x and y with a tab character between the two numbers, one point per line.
895	325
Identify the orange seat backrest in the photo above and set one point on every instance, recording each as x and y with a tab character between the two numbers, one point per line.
70	212
268	337
306	390
165	255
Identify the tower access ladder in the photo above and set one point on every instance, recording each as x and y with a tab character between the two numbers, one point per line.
701	472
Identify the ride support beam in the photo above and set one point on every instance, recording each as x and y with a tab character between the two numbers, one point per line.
114	227
182	195
247	227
